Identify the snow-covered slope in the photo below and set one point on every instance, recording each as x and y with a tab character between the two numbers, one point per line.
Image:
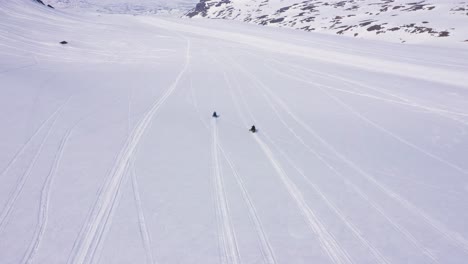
126	6
109	153
396	20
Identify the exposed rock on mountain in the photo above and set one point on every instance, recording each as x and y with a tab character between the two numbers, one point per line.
397	20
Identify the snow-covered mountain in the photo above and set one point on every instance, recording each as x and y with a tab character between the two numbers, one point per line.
109	152
397	20
126	6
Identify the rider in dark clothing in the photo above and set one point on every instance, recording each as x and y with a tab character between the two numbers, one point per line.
253	129
215	115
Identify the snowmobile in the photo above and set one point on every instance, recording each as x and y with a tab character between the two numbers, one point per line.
253	129
215	115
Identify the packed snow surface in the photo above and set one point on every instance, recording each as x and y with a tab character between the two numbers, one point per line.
109	153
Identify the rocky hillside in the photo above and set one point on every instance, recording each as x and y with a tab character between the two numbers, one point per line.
396	20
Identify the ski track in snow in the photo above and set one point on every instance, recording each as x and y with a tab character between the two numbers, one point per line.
107	198
12	198
230	249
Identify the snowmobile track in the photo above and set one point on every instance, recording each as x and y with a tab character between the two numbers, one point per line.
227	234
451	236
266	249
104	208
30	139
328	242
8	209
141	217
35	243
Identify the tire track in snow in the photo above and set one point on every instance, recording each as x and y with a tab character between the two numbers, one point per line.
451	236
230	250
96	227
8	208
141	216
336	253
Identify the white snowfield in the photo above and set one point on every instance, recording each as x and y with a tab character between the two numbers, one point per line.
109	153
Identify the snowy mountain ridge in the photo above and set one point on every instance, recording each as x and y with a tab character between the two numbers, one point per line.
395	20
